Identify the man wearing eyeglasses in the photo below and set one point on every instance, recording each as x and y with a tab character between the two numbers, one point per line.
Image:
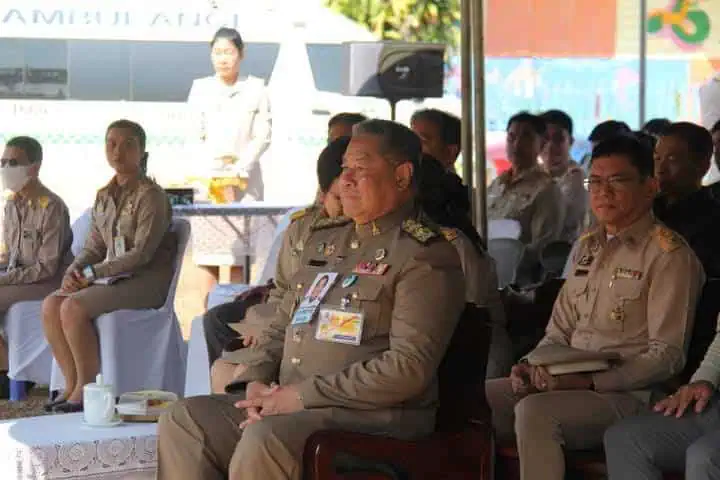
631	292
36	231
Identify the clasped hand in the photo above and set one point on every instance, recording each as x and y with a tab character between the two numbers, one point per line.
73	281
264	400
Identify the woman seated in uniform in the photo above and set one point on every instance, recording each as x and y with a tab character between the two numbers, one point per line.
129	241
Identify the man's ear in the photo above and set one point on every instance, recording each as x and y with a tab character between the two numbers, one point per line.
403	175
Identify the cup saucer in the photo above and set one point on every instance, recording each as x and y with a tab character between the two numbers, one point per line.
114	423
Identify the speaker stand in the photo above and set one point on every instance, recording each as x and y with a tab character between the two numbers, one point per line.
393	109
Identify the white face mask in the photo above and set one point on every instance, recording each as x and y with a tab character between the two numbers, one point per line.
15	178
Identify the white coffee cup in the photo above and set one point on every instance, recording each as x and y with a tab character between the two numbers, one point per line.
98	403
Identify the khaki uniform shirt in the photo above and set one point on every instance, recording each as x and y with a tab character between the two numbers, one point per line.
410	312
481	281
137	214
572	186
634	294
534	200
36	237
288	263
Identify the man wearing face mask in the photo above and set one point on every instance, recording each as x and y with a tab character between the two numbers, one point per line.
36	231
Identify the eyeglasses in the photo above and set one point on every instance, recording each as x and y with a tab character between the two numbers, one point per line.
616	183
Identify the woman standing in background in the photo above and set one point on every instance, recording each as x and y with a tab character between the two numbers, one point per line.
234	130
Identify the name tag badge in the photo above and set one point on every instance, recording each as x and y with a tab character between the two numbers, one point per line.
340	325
119	246
313	297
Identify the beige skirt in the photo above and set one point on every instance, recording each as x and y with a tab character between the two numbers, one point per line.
145	289
10	294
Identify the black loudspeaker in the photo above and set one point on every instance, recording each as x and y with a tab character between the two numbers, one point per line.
394	70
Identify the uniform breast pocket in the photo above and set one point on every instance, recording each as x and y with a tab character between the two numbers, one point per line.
126	226
627	304
577	289
368	299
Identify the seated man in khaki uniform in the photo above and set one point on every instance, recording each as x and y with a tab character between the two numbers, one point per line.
365	359
527	193
36	231
569	176
632	291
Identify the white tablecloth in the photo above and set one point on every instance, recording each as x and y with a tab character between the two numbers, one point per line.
61	447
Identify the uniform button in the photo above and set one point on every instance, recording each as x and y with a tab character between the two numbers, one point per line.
355	295
295	361
299	286
354	244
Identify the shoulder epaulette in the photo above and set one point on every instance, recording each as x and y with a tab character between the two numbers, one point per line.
419	231
667	239
301	213
586	234
450	234
327	222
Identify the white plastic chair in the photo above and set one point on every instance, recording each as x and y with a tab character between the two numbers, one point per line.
197	376
142	349
29	354
507	253
504	228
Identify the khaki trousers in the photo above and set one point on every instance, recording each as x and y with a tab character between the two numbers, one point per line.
199	438
544	423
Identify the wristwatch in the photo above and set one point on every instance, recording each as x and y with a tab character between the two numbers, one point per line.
89	273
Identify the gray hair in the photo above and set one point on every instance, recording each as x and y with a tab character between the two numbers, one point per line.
396	140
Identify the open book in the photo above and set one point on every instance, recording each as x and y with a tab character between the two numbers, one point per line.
111	280
562	359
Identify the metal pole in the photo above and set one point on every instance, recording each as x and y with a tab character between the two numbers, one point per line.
466	98
478	46
643	62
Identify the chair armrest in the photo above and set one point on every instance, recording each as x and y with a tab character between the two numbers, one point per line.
467	451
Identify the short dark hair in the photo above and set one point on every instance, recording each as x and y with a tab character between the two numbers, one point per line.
329	164
608	129
31	147
535	121
559	118
134	127
656	126
228	34
715	127
698	140
637	152
449	125
646	138
346	118
397	139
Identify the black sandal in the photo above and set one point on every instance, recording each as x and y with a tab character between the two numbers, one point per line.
68	407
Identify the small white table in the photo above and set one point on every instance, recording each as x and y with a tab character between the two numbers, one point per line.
61	447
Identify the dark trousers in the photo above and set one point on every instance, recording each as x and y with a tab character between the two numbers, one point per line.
646	446
217	332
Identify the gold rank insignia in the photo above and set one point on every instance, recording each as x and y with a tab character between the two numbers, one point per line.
43	201
667	239
418	231
300	214
9	195
450	234
325	222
